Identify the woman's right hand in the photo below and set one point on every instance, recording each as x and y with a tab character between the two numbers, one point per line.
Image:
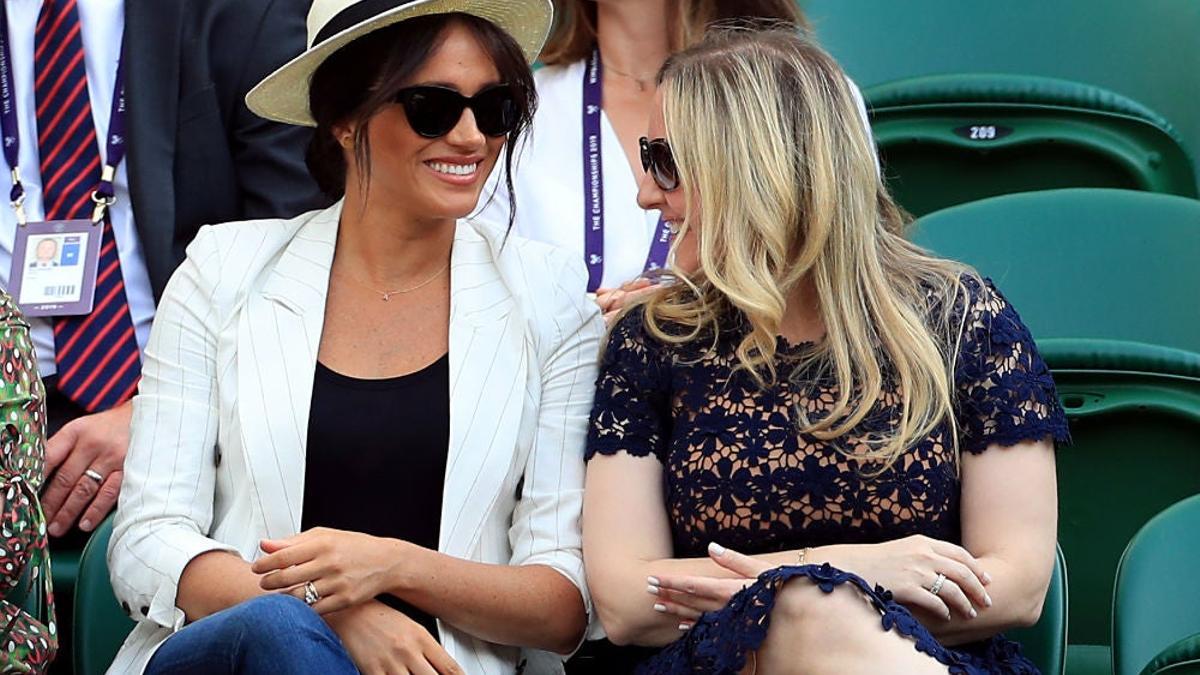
383	641
909	567
613	300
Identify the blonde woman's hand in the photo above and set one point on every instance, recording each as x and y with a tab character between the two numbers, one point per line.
909	567
384	641
346	568
613	300
688	596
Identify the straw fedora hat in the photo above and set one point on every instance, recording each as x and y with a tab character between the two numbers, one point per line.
332	24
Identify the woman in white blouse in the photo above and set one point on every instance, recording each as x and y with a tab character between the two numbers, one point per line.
577	174
358	442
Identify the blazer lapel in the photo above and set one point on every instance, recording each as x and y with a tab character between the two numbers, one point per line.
487	385
278	338
153	36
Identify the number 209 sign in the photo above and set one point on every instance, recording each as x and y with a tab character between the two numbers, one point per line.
983	132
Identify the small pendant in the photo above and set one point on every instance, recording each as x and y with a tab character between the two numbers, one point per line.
387	297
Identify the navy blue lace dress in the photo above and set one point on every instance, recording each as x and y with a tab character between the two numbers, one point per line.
736	471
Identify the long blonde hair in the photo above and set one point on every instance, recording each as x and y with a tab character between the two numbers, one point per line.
574	32
770	147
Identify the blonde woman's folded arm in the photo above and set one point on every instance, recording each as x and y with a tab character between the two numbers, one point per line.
166	503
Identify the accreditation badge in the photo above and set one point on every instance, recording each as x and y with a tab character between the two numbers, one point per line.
54	267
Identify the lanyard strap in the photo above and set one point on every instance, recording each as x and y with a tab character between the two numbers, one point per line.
593	184
8	119
105	193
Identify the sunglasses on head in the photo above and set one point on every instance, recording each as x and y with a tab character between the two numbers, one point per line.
658	161
433	111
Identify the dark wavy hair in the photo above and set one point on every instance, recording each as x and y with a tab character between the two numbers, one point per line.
363	77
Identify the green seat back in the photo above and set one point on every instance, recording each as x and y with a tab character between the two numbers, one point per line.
1134	411
1045	643
1156	602
949	139
99	624
1098	263
1145	50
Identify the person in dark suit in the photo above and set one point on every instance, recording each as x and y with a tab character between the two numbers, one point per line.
195	155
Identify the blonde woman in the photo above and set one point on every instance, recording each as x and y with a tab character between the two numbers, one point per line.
576	178
825	450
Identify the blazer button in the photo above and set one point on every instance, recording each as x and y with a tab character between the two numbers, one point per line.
145	611
218	460
128	611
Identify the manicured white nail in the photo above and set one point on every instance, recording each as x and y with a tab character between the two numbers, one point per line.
684	626
653	581
660	607
652	590
987	578
974	613
987	599
716	549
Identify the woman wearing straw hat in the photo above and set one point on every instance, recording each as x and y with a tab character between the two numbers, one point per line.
358	442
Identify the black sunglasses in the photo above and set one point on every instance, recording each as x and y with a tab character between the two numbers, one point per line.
658	161
433	111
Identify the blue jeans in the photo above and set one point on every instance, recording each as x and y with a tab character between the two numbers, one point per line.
275	634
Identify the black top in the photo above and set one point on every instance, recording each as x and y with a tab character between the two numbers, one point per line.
376	458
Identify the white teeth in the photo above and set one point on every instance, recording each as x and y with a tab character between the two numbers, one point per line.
674	226
454	169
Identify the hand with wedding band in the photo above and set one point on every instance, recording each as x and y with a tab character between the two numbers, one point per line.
84	463
922	573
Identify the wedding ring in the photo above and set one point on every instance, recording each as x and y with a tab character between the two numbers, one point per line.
937	584
94	476
311	596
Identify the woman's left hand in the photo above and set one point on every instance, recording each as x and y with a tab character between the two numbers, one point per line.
346	568
687	597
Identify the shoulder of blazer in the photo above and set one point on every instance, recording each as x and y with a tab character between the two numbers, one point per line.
548	284
236	256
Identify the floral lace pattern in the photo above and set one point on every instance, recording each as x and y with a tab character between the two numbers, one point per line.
738	471
718	644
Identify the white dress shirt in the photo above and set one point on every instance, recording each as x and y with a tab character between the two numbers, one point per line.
548	181
102	24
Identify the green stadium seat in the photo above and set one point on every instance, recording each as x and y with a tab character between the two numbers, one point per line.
949	139
1134	411
99	623
1156	602
1097	263
1144	50
1045	643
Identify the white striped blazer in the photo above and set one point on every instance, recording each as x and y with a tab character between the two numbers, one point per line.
216	460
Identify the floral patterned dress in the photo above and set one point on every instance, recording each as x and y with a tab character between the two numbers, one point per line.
27	642
737	471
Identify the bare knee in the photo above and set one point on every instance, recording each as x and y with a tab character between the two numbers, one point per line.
808	615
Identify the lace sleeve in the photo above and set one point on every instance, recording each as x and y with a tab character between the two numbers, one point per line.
1005	393
631	409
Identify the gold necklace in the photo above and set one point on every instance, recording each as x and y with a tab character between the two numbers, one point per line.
387	295
641	82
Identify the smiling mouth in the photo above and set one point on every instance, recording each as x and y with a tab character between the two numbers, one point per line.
674	226
462	170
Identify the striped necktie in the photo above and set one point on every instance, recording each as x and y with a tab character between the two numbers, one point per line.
97	354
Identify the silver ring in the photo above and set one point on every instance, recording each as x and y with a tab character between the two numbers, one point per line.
94	476
311	596
937	584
